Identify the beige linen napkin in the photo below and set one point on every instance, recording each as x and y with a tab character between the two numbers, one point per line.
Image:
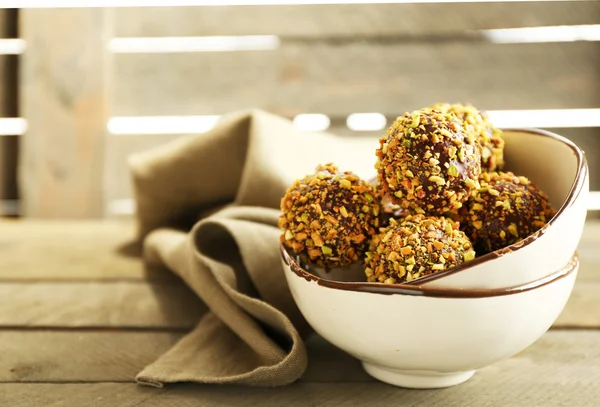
207	209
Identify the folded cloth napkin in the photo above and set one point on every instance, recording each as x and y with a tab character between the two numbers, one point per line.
208	207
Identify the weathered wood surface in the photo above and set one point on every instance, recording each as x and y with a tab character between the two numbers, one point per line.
64	96
359	77
480	391
75	274
72	356
72	251
109	304
94	356
70	340
318	21
561	369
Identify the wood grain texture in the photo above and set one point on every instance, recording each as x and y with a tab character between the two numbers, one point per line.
111	304
562	369
317	21
31	299
480	391
72	250
29	302
63	83
359	77
171	305
67	356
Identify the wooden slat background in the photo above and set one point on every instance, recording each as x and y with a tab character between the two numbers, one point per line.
64	92
341	59
332	59
355	20
362	76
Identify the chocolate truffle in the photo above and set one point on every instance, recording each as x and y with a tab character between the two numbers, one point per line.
506	209
328	217
414	247
428	162
390	210
489	137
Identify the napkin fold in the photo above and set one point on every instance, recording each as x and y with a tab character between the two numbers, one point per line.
207	209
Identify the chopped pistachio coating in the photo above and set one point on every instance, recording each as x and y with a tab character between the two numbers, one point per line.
414	247
328	217
428	162
489	137
505	210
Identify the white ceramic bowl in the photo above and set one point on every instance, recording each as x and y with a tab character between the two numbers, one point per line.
422	337
556	166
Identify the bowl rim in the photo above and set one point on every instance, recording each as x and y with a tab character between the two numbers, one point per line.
574	193
425	291
406	287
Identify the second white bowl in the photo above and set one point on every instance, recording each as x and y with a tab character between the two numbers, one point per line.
421	337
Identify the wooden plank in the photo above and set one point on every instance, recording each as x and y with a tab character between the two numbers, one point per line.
111	304
479	391
359	77
72	251
117	356
171	305
85	394
563	368
349	20
64	82
66	356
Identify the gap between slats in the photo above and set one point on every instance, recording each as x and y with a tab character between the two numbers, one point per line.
371	121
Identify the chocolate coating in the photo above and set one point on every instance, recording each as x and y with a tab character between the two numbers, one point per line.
390	210
414	247
506	209
428	162
489	137
328	217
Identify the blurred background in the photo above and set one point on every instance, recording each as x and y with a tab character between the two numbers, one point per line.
82	88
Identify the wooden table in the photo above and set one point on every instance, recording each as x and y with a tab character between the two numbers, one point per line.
65	340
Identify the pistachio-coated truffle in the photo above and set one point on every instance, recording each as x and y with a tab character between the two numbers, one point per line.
428	162
414	247
489	137
390	210
507	209
328	217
